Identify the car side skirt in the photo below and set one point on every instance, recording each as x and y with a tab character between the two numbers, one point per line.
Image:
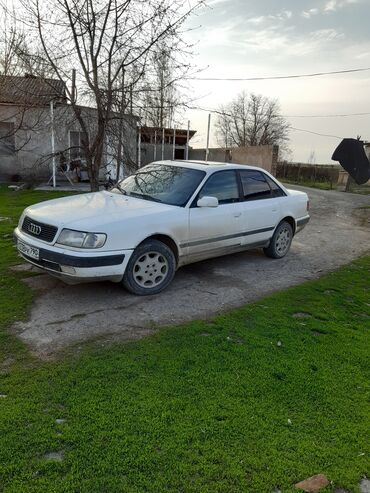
228	237
219	252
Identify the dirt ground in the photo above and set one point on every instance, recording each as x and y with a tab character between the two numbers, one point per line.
65	316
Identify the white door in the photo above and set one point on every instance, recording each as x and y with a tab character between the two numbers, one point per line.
216	230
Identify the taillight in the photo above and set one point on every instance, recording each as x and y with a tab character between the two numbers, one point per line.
308	205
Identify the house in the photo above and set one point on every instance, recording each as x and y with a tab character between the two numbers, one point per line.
37	123
163	143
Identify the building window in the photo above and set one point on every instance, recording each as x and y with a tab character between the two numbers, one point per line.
76	150
7	139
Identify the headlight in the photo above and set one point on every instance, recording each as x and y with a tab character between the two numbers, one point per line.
79	239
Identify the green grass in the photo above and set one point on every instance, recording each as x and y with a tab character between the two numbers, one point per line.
322	185
327	185
263	396
362	190
15	297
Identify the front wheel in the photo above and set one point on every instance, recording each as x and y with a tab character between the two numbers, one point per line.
150	269
280	242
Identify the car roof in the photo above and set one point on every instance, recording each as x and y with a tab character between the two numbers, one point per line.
206	165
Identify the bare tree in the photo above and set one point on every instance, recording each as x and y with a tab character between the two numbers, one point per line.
102	40
161	96
10	40
251	120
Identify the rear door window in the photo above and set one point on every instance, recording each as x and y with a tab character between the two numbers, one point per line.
255	186
275	189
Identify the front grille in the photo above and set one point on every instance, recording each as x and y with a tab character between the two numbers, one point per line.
42	231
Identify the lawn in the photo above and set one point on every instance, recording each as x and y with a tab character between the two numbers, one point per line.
259	398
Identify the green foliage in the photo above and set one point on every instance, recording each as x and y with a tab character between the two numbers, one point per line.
261	397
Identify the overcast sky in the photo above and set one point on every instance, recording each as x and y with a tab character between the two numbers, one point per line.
247	38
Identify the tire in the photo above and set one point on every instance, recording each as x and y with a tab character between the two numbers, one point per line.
280	242
150	269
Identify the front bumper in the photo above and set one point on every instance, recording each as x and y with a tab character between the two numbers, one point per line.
72	266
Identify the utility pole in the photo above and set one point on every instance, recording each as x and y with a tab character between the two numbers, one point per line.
208	132
162	144
155	145
187	142
139	147
174	143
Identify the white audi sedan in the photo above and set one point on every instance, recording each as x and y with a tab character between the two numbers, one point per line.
168	214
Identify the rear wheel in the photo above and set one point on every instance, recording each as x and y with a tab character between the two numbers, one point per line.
280	242
150	269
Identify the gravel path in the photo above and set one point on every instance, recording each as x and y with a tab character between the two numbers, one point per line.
63	315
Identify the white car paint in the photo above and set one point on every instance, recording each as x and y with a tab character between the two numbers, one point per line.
197	232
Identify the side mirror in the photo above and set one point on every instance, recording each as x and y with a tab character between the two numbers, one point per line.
208	202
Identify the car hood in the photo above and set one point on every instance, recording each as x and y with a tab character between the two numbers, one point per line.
92	208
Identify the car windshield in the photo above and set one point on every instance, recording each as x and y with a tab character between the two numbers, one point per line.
171	185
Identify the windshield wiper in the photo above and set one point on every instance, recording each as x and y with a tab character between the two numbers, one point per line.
145	197
118	186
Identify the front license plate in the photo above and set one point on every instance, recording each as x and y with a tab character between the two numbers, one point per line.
28	250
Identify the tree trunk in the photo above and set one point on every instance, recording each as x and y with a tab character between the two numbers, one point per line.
93	172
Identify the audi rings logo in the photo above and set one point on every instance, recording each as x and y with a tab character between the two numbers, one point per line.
34	229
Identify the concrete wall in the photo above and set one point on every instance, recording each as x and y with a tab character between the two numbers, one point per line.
30	140
32	159
262	156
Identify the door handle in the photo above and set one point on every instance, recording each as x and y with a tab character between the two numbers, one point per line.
237	214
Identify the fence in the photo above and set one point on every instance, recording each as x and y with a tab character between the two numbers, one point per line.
308	173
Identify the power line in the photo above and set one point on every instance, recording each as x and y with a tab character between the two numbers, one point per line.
220	112
279	77
326	116
316	133
291	128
